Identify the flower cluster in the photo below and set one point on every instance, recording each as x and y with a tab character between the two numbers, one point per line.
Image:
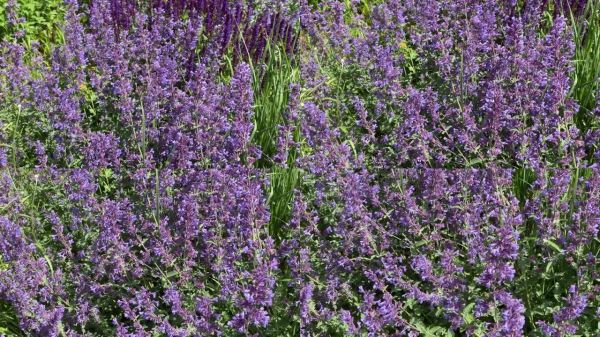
428	175
226	23
160	225
454	84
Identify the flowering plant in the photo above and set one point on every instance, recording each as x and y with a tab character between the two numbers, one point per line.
301	168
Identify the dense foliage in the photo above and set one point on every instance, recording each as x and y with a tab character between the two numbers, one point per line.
299	168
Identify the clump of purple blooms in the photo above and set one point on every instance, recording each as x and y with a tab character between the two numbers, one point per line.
226	23
445	187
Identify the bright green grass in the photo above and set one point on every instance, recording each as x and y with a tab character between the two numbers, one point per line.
42	19
272	91
586	31
271	86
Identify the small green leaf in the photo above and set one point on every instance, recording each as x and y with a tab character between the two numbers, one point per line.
553	245
467	313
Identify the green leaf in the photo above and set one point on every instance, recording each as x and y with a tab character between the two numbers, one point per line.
553	245
467	313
